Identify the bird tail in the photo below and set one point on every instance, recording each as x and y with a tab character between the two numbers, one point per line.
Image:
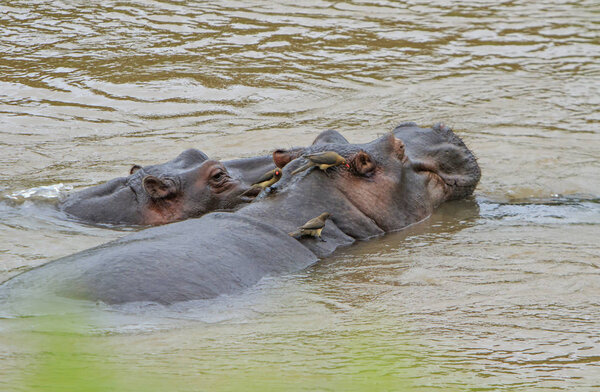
295	234
254	189
302	168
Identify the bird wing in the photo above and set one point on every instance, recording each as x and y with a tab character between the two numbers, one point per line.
265	177
313	224
326	157
302	168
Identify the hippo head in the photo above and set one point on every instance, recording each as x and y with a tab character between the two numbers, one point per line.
188	186
388	183
437	150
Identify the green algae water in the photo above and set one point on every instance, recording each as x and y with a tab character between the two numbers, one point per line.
499	292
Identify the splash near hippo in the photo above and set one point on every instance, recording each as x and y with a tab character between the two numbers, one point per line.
387	184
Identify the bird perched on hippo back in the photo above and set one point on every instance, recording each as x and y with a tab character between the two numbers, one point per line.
313	227
323	160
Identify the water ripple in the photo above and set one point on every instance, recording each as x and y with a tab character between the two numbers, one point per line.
497	293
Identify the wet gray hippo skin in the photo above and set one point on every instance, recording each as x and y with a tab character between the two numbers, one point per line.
249	170
226	252
439	150
188	186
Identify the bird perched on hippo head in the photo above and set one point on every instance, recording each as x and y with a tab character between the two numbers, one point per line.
323	160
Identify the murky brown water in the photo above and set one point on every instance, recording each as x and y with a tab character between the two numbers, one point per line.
501	293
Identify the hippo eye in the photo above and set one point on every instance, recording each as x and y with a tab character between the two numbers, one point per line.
218	176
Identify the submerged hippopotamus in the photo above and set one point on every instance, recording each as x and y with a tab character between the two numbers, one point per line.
394	181
188	186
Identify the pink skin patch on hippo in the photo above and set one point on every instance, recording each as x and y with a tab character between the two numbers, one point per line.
375	192
373	196
161	212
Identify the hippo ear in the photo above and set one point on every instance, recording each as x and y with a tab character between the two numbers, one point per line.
363	164
395	147
157	188
330	136
191	156
283	157
134	168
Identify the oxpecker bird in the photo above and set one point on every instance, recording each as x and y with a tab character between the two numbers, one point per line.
268	179
312	228
324	160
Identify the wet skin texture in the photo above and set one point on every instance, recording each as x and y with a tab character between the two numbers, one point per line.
188	186
225	252
185	187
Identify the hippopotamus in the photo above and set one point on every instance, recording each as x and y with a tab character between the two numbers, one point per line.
389	183
186	187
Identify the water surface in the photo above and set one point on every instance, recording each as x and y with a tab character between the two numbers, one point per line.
500	292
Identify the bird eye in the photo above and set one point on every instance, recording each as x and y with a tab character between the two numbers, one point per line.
277	173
